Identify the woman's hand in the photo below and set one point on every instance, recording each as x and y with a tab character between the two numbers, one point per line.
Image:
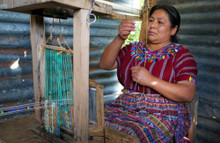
108	58
141	75
125	29
182	91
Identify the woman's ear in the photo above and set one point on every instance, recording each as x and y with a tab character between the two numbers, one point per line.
174	30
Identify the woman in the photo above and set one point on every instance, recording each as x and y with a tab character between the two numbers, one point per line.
158	79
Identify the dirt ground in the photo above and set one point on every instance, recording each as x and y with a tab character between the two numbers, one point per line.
20	131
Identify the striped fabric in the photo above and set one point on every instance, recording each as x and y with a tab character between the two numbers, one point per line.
172	63
150	117
141	111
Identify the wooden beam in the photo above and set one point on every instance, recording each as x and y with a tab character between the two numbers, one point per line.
37	39
121	8
81	35
123	17
26	6
94	84
144	24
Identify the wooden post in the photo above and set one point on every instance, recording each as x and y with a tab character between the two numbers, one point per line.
193	108
99	103
100	107
144	25
81	35
37	40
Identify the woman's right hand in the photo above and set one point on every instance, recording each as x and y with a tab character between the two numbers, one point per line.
109	56
125	28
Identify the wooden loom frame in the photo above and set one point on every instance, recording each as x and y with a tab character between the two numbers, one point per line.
81	37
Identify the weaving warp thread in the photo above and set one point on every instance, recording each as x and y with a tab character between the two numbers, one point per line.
58	91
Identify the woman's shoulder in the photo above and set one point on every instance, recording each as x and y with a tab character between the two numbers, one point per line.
180	49
125	50
126	47
182	53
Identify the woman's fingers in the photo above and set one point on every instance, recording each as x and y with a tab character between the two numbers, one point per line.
125	28
135	71
135	68
129	26
140	75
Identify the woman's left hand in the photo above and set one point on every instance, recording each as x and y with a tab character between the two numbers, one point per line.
141	75
182	91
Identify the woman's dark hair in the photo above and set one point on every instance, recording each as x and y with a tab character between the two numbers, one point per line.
174	17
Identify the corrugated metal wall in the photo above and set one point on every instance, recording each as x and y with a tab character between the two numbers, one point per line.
16	85
200	32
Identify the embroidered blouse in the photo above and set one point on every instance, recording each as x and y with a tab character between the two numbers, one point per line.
171	63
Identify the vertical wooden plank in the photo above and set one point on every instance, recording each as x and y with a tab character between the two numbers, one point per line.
147	5
38	60
193	108
144	24
81	35
100	107
99	103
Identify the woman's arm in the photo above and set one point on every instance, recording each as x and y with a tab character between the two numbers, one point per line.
183	91
108	58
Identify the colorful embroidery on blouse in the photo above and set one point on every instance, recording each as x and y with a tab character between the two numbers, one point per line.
140	52
191	79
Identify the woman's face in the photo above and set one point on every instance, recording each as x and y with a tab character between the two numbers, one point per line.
159	27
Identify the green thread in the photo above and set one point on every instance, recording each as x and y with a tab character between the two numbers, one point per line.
58	91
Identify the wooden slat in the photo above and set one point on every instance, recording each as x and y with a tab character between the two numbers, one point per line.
81	37
100	107
95	84
144	24
123	17
42	133
193	108
121	8
26	6
38	60
99	103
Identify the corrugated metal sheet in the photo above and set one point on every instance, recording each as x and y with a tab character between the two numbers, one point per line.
200	32
16	86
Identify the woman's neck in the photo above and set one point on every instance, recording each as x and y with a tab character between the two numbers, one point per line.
157	46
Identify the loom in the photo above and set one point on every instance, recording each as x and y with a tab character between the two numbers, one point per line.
63	95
